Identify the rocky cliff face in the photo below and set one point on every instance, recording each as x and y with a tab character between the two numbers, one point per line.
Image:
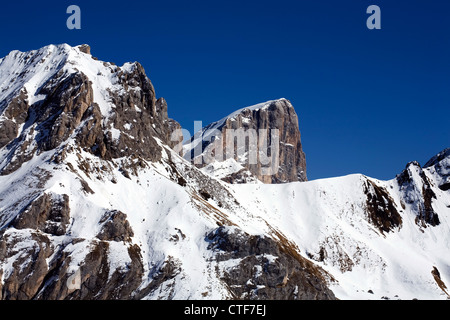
264	141
260	276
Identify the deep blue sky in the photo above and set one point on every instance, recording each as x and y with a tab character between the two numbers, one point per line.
369	101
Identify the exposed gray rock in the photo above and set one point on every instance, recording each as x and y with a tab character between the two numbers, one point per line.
275	115
169	269
15	115
85	48
266	269
98	282
29	269
49	213
115	227
381	209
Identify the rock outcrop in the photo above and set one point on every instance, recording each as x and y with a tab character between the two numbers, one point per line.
381	209
266	270
115	227
49	213
417	192
440	164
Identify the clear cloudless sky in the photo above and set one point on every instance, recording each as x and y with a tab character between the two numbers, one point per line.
368	101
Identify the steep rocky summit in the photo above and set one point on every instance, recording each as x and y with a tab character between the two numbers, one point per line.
261	141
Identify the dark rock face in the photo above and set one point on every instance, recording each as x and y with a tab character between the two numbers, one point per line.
135	127
115	227
266	270
28	272
277	115
62	111
176	138
166	272
35	276
15	115
85	48
437	277
69	99
96	284
96	280
49	213
381	209
418	193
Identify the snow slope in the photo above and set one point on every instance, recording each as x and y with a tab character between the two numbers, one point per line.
325	217
156	207
329	215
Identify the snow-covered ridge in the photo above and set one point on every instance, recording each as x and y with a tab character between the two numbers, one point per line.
325	219
32	69
61	92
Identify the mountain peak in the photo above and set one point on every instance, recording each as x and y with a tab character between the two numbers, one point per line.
58	93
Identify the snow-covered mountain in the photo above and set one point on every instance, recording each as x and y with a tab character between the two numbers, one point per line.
95	204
